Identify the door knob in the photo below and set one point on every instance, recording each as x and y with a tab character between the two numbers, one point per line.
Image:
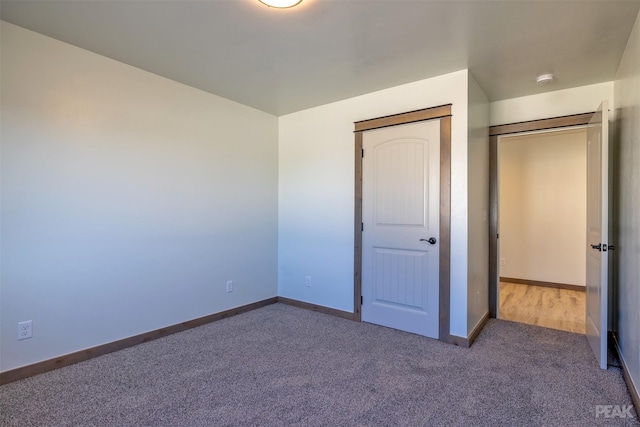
597	247
431	240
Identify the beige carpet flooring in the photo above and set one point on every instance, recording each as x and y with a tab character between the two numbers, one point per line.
285	366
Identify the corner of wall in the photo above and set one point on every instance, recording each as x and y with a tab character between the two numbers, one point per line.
626	197
478	206
128	200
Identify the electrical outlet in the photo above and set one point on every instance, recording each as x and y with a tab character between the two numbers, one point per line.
230	286
307	281
25	329
503	261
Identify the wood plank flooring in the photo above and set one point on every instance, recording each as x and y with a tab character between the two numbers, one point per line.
561	309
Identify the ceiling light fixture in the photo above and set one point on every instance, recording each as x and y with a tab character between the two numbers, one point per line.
545	79
281	4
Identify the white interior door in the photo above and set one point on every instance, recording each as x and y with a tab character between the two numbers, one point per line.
401	216
597	233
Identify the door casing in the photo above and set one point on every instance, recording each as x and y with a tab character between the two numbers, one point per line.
443	113
494	133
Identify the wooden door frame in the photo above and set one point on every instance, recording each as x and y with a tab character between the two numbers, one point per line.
495	132
443	113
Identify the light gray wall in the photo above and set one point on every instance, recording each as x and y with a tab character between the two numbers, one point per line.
576	100
128	200
316	191
627	200
478	194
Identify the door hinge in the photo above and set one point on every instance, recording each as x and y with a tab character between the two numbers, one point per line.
362	226
361	300
363	153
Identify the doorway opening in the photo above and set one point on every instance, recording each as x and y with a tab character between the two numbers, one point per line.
542	224
530	265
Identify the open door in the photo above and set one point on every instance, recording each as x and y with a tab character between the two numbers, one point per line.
597	233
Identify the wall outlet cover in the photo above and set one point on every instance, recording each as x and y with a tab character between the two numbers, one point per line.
25	329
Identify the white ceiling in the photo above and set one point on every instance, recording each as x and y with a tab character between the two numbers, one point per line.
281	61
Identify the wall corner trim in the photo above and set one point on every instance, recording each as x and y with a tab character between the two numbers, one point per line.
475	332
468	341
319	308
